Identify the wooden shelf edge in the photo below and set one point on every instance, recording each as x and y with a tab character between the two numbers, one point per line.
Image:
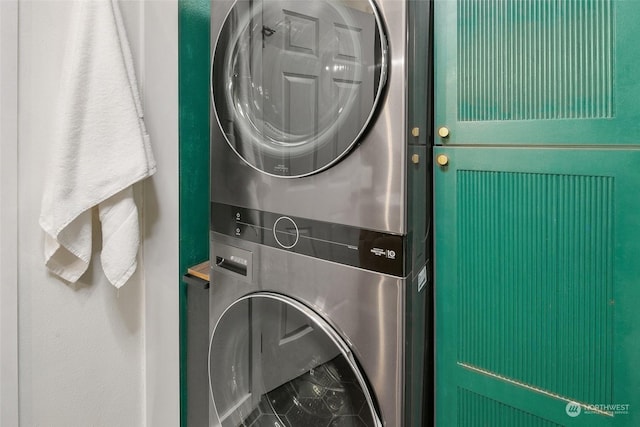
201	270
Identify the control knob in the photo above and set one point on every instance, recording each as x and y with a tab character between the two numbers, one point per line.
286	232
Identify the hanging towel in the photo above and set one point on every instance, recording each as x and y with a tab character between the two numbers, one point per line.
101	148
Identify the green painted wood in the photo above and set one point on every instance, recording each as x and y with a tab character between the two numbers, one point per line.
419	349
478	410
538	71
537	283
194	53
419	304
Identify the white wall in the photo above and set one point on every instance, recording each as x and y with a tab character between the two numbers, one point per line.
90	355
8	213
160	36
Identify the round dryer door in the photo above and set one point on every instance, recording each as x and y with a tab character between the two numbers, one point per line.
295	83
274	362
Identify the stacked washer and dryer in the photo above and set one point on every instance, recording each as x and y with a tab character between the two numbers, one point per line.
319	299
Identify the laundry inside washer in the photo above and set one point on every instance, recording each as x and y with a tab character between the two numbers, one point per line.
326	396
301	374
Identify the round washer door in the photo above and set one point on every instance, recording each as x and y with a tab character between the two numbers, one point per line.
295	83
275	362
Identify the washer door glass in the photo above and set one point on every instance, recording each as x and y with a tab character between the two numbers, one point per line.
295	83
274	362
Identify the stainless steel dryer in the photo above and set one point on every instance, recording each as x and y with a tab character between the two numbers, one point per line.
309	109
319	301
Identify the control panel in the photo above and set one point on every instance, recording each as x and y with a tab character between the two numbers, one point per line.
372	250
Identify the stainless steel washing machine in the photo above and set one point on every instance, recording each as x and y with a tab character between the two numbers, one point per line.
298	341
320	209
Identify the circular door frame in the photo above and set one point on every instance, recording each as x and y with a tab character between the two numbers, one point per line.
324	326
384	67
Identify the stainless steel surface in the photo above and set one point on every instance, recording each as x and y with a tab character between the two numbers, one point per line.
294	84
366	309
234	255
366	189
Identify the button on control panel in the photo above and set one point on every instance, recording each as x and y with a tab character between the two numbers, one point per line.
286	232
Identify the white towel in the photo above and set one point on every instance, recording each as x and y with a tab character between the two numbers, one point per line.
100	150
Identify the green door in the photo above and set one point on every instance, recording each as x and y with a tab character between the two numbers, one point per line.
537	71
537	287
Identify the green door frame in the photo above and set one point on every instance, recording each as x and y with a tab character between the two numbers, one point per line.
194	51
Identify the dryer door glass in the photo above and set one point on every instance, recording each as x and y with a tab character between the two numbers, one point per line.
274	362
295	83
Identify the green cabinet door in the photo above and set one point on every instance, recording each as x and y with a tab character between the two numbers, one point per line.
537	71
537	286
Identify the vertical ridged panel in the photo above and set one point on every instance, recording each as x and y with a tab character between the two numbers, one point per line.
535	270
535	59
477	410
